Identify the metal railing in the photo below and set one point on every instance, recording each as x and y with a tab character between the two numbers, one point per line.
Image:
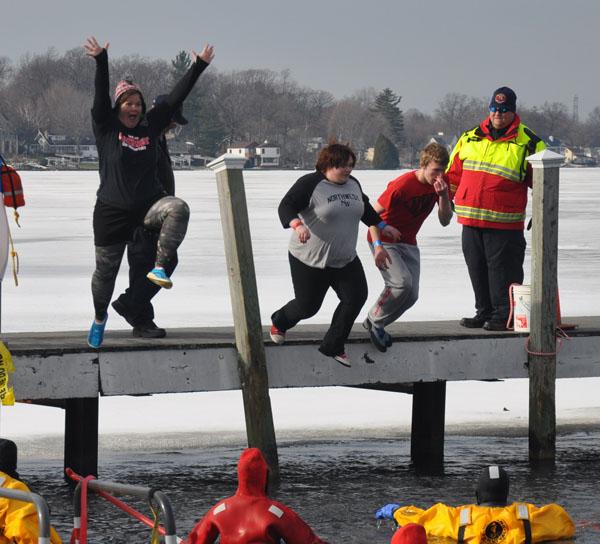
107	490
40	505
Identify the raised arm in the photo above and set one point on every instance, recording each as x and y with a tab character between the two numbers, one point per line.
101	108
184	86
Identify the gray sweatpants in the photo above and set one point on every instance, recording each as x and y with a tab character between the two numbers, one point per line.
169	216
401	280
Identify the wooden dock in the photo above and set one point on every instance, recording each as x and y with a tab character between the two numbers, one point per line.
59	368
60	365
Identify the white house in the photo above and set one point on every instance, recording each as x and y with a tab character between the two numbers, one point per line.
267	154
243	149
59	144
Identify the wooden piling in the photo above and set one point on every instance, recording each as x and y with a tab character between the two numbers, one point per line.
542	341
428	420
252	366
81	436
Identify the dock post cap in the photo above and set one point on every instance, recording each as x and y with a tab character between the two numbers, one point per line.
545	159
227	161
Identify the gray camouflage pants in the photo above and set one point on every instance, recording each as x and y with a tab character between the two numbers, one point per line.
169	216
401	279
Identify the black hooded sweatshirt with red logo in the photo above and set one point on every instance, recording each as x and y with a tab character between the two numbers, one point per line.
128	157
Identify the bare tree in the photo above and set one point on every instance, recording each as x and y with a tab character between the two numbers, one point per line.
592	127
459	112
5	70
69	111
549	119
34	73
230	101
78	70
418	128
152	76
353	120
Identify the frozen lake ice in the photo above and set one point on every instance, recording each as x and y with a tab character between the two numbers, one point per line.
56	255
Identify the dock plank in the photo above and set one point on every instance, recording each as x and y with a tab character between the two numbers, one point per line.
60	365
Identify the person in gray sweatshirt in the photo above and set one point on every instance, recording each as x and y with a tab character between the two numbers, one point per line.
324	209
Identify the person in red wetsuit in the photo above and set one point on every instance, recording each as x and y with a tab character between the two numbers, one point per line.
250	516
411	533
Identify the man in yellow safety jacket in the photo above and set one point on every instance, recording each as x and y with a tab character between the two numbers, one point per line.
489	176
491	520
18	520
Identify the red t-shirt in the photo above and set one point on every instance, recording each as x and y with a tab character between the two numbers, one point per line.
407	204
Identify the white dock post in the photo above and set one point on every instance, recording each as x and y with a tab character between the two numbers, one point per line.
252	365
542	344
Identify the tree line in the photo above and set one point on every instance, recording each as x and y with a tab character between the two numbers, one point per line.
53	92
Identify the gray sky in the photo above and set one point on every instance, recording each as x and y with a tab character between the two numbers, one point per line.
422	49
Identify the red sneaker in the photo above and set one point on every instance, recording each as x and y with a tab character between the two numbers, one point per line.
343	359
276	335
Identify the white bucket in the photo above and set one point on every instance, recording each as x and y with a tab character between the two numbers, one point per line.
521	300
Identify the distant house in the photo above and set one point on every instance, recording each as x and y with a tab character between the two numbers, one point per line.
59	144
243	149
267	155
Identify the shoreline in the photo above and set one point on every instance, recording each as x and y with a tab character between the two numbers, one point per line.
50	447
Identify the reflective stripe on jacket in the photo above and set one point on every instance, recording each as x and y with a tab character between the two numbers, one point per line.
490	524
490	177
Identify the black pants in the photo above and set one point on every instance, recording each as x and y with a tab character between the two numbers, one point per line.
136	299
495	260
310	286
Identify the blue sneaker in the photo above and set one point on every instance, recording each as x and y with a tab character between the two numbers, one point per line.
96	334
379	336
159	276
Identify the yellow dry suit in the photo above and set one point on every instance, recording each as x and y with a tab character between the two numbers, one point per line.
518	523
18	520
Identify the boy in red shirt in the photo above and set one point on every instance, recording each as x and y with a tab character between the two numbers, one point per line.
405	204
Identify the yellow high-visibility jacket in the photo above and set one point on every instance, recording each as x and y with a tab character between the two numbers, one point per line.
489	178
518	523
18	520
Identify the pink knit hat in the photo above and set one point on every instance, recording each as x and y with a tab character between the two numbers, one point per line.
123	86
411	533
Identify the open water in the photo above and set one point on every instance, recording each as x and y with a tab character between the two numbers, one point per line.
336	485
335	480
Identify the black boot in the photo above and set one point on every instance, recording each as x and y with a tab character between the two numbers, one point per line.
148	329
476	322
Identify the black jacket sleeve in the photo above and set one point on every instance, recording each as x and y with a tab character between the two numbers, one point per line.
369	217
163	113
101	109
298	197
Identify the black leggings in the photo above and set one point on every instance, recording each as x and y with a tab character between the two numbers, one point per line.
310	287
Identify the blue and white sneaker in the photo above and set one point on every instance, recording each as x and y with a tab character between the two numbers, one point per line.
379	336
159	276
96	334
